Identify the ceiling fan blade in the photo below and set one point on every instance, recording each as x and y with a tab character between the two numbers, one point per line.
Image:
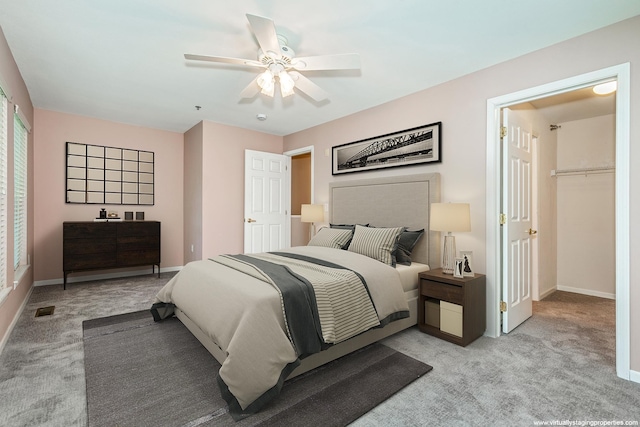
251	90
346	61
265	32
307	86
237	61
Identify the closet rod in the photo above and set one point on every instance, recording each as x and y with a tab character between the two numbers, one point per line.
580	171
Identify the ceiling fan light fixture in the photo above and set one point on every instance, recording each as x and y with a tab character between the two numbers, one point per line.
266	81
286	84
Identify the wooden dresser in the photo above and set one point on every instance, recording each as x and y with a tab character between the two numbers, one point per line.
89	245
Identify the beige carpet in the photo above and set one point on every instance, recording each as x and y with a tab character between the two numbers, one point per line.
558	365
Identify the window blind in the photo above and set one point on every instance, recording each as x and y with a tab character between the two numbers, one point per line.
20	193
3	189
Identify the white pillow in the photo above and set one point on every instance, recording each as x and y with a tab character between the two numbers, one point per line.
376	243
331	238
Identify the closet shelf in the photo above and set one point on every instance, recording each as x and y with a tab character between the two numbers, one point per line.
583	171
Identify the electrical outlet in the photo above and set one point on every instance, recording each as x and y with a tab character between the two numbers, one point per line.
191	248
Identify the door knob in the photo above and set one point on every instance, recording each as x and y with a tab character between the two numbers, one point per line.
532	232
251	220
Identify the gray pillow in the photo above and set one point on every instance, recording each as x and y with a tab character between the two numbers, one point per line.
376	243
331	238
406	242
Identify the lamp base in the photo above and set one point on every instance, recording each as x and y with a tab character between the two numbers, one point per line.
449	254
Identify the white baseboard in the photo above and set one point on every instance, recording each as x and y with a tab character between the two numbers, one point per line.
587	292
634	376
7	334
103	276
546	294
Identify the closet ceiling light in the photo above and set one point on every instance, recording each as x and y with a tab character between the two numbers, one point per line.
605	88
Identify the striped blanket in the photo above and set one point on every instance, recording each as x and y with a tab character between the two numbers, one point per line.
317	297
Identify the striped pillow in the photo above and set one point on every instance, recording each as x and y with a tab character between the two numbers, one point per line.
331	238
376	243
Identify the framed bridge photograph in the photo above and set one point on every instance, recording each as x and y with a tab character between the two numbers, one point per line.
408	147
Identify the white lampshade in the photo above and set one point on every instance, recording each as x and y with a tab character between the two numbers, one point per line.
286	84
312	213
450	217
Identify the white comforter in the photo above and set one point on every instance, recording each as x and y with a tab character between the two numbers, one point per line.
244	316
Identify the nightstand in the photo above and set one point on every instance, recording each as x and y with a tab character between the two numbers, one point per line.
452	308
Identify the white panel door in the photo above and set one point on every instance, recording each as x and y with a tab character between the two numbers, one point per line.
517	233
266	202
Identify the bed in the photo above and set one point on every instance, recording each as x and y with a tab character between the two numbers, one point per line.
259	346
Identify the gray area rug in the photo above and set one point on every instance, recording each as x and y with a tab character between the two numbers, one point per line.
141	373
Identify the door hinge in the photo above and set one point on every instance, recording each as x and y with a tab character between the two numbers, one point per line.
503	131
503	306
503	219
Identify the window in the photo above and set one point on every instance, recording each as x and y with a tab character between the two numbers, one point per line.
3	190
20	193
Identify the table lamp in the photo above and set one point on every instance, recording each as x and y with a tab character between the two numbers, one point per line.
312	214
449	217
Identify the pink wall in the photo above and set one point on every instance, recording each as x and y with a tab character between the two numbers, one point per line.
223	184
17	94
461	106
55	129
193	193
221	194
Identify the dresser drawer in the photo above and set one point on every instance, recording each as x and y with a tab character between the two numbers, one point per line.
138	228
138	257
442	291
89	261
135	243
88	230
89	246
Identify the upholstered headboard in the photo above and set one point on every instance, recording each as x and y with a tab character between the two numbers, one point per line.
391	202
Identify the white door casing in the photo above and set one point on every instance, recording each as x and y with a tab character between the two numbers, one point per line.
517	231
621	73
266	201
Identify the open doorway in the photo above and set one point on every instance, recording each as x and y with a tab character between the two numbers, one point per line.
621	73
301	192
575	159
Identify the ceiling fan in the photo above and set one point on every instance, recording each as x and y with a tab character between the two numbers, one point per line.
279	61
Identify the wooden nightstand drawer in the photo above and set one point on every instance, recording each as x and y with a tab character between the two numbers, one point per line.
442	291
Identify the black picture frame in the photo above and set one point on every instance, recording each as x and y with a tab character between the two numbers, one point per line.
413	146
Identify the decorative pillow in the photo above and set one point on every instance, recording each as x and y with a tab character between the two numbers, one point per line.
331	238
351	227
376	243
406	242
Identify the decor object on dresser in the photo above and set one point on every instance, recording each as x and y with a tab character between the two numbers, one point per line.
449	217
89	245
450	308
409	147
115	176
312	214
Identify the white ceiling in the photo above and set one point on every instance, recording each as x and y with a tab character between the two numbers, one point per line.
122	60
